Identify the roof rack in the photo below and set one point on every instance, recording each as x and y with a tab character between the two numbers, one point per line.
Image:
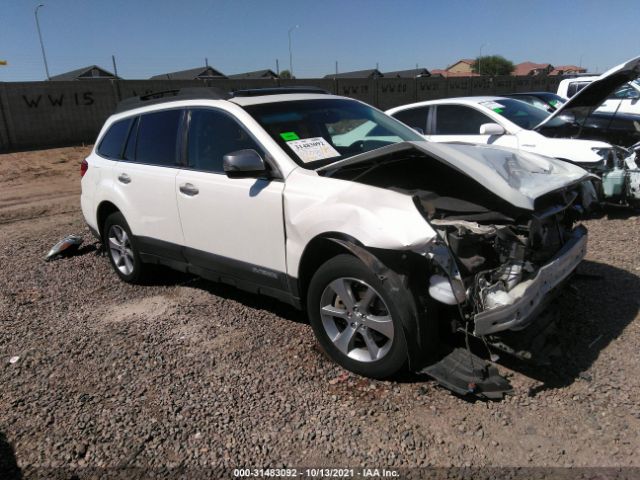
188	93
207	93
254	92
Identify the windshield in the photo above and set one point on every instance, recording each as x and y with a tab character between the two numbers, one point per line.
319	132
522	114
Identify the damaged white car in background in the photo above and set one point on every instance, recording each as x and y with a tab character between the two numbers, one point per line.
512	123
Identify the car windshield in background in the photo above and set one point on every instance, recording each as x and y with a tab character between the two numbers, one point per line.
522	114
319	132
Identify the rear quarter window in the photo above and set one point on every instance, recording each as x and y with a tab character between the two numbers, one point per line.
112	143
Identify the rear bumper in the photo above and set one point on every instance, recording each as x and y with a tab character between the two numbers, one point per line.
534	294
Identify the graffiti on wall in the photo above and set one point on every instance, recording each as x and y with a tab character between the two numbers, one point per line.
84	99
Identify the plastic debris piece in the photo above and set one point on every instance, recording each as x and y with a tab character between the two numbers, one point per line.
65	247
14	359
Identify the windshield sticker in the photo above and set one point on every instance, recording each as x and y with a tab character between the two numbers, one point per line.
289	136
312	149
495	106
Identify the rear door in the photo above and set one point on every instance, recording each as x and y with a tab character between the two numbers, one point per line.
145	180
233	227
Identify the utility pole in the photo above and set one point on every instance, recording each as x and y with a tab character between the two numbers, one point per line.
277	67
336	67
44	56
115	67
480	59
291	54
206	62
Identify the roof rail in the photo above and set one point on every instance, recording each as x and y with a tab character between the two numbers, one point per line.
254	92
187	93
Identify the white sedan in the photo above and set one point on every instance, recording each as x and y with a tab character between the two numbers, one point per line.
498	121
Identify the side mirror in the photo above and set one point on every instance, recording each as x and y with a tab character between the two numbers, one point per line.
419	130
633	95
491	129
244	164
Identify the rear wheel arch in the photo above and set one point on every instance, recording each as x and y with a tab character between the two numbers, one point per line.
105	209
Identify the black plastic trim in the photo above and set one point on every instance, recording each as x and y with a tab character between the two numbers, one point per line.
243	275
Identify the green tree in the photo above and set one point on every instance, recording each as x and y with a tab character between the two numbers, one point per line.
493	65
285	74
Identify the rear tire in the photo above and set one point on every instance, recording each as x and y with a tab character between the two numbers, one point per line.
356	318
122	250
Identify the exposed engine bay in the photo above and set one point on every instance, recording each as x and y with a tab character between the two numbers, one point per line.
497	249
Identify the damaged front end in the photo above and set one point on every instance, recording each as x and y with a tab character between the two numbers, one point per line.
506	238
502	274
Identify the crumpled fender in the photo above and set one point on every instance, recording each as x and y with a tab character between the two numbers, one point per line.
375	217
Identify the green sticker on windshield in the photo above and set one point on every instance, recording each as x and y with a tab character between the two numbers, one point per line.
289	136
498	110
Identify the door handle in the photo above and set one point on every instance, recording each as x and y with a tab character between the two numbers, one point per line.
124	178
189	189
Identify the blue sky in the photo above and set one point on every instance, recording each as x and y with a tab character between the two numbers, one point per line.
151	37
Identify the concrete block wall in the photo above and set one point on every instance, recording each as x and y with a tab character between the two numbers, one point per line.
50	114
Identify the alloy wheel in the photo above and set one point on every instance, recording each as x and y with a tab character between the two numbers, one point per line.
120	249
356	319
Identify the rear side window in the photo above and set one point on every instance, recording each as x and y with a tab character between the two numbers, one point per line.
459	120
213	134
113	141
157	138
415	117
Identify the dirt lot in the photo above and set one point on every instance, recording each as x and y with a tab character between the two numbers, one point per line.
190	373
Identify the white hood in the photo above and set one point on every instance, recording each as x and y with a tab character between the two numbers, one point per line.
517	176
596	92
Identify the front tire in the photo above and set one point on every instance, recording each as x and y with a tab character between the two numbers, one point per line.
356	319
121	249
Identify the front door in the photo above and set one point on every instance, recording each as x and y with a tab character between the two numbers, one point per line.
461	123
234	227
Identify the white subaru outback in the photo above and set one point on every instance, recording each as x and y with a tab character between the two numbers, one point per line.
373	238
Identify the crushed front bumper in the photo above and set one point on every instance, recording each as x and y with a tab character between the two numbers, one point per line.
533	295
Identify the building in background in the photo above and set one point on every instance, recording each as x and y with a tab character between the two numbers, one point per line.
464	65
567	70
532	69
412	73
92	72
199	73
258	74
368	74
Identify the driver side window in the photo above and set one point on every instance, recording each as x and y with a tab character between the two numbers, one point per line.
213	134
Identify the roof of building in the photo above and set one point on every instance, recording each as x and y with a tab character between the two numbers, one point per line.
562	69
371	73
267	73
85	73
467	61
411	73
525	68
191	74
447	74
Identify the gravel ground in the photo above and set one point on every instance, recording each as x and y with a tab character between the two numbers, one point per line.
186	372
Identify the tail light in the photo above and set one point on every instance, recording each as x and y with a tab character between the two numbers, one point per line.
84	166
